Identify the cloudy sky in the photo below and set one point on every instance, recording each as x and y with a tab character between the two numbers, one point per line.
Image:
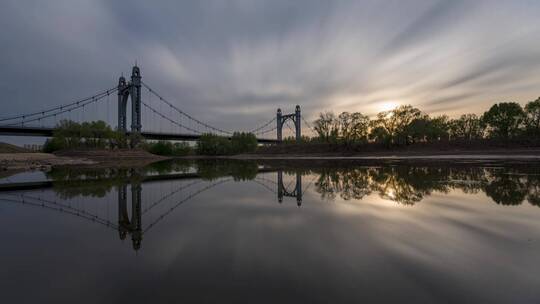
232	63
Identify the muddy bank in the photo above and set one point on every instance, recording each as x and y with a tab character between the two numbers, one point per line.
37	161
17	162
514	157
113	158
524	153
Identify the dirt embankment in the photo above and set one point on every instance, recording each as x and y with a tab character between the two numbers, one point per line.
37	161
8	148
95	158
462	149
114	158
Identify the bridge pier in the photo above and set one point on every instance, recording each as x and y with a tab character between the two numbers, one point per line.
296	118
125	90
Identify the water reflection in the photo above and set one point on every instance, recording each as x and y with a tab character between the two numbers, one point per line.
173	231
409	185
126	224
405	185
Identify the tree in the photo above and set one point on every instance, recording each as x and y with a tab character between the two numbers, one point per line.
439	128
418	129
345	127
467	126
211	144
326	127
532	121
380	135
359	127
243	142
395	122
504	119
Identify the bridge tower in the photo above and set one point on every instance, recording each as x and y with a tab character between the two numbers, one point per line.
295	117
132	88
284	192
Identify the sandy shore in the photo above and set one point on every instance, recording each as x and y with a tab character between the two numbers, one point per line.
94	158
396	157
37	161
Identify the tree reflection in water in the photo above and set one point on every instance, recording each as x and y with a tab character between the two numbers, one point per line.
404	184
408	185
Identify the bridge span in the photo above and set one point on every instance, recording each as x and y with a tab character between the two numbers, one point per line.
48	132
174	123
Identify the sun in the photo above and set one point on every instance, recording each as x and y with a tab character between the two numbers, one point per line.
387	106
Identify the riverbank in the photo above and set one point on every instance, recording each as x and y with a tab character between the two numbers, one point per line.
82	158
37	161
17	162
530	153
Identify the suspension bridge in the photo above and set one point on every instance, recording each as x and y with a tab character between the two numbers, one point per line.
163	119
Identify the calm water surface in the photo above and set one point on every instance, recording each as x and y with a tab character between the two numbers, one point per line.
232	232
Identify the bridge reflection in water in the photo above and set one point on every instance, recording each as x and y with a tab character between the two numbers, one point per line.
131	208
126	224
138	213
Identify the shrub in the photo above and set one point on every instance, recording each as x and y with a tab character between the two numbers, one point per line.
210	144
167	148
53	144
243	142
160	148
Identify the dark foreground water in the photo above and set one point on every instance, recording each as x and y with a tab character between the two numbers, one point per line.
223	232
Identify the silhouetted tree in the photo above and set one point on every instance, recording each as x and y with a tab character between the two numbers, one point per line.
532	121
504	119
467	127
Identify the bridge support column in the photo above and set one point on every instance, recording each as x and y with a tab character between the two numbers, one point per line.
297	120
135	91
132	88
123	95
298	124
279	121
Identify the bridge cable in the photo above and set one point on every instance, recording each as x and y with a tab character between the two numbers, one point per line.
61	107
161	217
184	113
263	126
66	109
309	125
169	119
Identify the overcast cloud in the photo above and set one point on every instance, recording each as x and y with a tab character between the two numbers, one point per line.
232	63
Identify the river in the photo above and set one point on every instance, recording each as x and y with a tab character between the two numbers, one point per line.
247	232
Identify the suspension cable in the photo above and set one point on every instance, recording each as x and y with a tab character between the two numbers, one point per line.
169	119
61	107
74	106
184	113
308	124
263	126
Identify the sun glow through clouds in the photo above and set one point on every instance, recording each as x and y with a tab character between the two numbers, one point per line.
387	106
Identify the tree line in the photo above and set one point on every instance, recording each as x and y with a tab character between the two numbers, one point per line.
408	125
97	134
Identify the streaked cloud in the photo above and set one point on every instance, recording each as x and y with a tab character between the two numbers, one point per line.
232	63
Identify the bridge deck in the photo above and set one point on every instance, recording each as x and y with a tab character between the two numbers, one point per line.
48	132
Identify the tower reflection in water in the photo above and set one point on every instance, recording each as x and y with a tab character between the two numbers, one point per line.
133	225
